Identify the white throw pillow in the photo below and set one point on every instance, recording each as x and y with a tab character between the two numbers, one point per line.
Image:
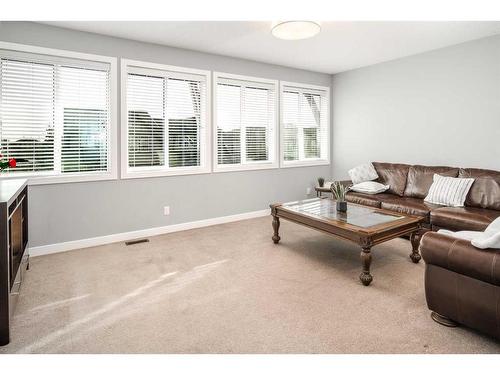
489	239
369	187
468	235
494	226
362	173
449	191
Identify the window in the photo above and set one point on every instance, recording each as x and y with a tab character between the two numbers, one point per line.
245	131
165	118
56	114
304	125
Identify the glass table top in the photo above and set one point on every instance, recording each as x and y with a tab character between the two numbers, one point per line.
325	208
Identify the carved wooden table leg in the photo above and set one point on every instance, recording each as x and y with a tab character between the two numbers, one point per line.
366	259
415	242
276	227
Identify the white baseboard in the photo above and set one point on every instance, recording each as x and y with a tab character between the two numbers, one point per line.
126	236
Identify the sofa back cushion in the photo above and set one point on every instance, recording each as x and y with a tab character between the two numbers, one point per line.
393	175
485	191
420	179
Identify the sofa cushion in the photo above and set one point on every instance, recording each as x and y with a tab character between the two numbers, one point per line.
363	199
410	206
463	218
393	175
420	179
460	256
372	200
485	191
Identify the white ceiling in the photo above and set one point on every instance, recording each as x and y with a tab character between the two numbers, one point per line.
339	47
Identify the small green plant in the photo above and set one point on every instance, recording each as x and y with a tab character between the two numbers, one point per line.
339	191
321	181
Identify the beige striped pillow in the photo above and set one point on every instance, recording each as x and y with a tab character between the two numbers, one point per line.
449	191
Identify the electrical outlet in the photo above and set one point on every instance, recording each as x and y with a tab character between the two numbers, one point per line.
166	210
308	191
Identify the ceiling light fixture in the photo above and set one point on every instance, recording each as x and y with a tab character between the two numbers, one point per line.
295	30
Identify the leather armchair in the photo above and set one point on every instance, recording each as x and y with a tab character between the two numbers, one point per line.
462	283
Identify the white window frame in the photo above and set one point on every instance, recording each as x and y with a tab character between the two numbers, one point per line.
275	146
112	172
311	162
205	160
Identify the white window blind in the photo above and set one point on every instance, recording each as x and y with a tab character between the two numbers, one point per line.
246	123
166	119
54	114
305	135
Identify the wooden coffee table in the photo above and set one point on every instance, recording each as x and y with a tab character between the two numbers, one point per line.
362	225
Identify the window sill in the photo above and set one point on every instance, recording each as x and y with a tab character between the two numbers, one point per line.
60	179
309	163
246	167
129	174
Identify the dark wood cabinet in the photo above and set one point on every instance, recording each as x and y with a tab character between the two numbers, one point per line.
14	259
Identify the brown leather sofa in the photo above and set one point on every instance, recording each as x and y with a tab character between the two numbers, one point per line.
462	283
409	185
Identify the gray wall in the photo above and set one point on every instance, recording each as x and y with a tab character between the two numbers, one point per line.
440	107
65	212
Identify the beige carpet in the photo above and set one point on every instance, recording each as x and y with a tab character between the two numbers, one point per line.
229	289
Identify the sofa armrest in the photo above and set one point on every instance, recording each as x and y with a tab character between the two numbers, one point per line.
460	256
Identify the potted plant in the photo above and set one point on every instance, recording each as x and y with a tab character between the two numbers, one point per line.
321	181
339	191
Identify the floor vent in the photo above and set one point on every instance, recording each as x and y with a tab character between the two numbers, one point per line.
134	242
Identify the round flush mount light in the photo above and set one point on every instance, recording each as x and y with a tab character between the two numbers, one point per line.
295	30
